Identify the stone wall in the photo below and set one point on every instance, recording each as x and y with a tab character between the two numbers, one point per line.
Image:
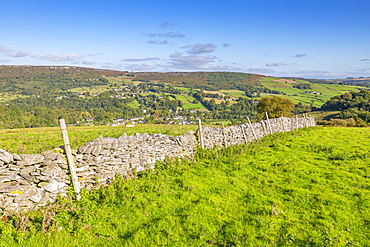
28	181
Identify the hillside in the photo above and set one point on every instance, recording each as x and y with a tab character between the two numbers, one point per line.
303	188
36	96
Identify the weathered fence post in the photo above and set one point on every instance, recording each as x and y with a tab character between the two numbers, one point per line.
223	131
251	126
67	148
268	122
245	137
305	120
297	122
282	124
201	141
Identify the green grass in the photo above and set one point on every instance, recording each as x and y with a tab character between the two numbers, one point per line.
134	104
37	140
298	95
304	188
187	102
234	93
92	89
10	96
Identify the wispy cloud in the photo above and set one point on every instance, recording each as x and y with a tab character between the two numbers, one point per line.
225	45
140	59
172	35
4	50
139	67
61	58
200	48
299	55
194	62
275	64
318	74
111	66
20	54
365	60
261	71
166	24
88	62
158	42
4	61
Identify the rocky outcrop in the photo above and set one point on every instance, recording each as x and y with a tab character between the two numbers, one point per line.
28	181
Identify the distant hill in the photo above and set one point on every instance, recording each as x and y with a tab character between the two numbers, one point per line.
34	96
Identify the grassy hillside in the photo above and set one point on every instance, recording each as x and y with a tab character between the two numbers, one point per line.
304	188
325	91
36	96
37	140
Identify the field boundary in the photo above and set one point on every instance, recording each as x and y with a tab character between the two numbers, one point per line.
29	181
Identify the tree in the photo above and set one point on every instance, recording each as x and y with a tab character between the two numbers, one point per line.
275	106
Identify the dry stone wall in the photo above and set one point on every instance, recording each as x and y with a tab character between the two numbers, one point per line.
28	181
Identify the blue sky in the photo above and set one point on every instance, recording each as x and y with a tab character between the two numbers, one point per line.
300	38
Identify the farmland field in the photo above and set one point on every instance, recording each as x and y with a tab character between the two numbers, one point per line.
37	140
326	91
234	93
309	187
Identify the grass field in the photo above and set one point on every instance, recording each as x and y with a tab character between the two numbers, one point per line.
37	140
134	104
10	96
234	93
92	89
304	188
326	91
187	102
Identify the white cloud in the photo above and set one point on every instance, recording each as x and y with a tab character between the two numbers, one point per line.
88	62
201	48
176	54
140	59
158	42
194	62
20	54
166	24
3	61
139	67
4	50
61	58
111	66
263	71
167	35
299	55
275	64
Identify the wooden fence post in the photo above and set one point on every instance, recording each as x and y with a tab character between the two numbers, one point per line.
305	120
223	131
201	141
296	121
268	122
282	124
245	137
251	126
67	148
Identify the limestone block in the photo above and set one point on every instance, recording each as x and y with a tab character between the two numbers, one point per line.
6	157
53	186
27	170
51	170
31	159
16	157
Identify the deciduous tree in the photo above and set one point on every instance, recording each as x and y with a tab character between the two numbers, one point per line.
275	106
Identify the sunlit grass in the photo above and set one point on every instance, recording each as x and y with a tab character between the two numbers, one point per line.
303	188
37	140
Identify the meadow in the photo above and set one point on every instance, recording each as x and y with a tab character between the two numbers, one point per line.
37	140
309	187
327	91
